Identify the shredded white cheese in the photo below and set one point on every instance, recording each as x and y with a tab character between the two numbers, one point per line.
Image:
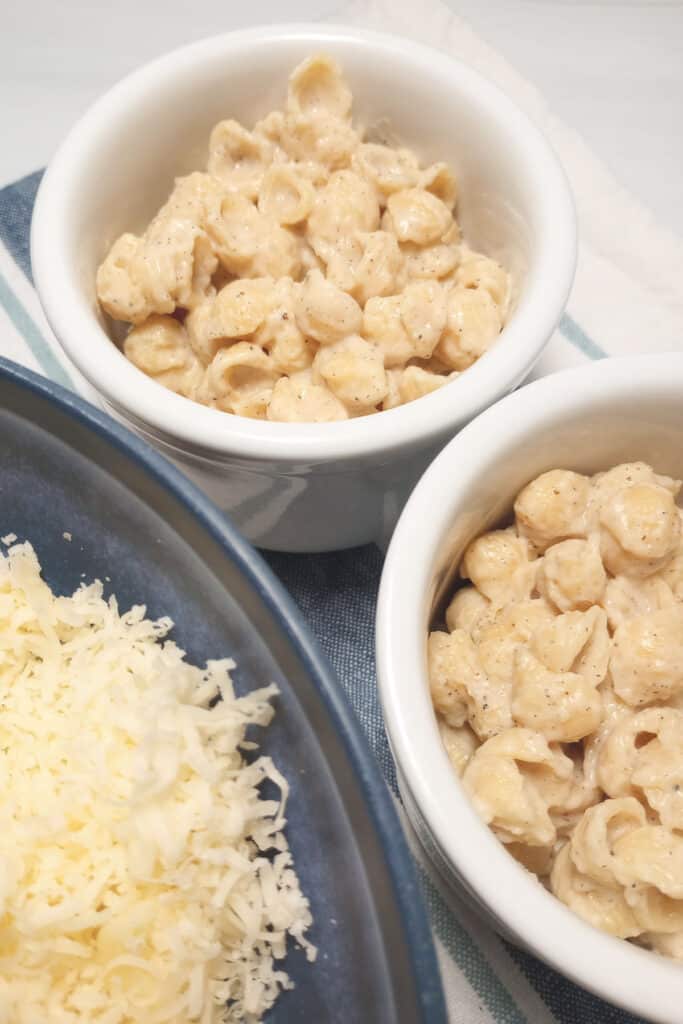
142	876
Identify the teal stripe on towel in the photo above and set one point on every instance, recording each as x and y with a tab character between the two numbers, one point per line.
32	336
465	952
576	335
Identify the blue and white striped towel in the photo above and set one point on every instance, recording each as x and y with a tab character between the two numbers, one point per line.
628	297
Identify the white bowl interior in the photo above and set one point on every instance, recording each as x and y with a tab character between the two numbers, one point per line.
118	166
585	420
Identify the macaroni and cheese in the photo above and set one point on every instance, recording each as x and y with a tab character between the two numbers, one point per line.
311	273
558	687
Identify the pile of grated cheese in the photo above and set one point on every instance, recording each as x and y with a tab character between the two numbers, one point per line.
142	876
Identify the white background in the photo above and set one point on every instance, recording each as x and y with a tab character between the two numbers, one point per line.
613	70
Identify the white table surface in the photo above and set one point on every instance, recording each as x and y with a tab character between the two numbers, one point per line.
613	70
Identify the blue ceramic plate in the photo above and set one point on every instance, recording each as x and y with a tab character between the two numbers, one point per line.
65	467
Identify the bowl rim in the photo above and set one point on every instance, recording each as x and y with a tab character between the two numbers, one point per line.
217	434
400	867
630	977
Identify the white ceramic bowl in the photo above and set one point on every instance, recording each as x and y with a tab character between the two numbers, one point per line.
587	419
289	486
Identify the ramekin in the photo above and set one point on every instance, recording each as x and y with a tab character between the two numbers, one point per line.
301	487
587	420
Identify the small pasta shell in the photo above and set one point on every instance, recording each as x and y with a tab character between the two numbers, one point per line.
602	906
593	839
175	264
354	371
440	181
317	89
238	157
480	272
423	312
436	261
389	169
324	312
320	141
298	399
204	338
195	197
472	325
241	307
236	231
160	348
383	326
418	216
278	251
118	291
285	195
416	383
378	269
241	377
393	398
345	205
157	345
640	529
